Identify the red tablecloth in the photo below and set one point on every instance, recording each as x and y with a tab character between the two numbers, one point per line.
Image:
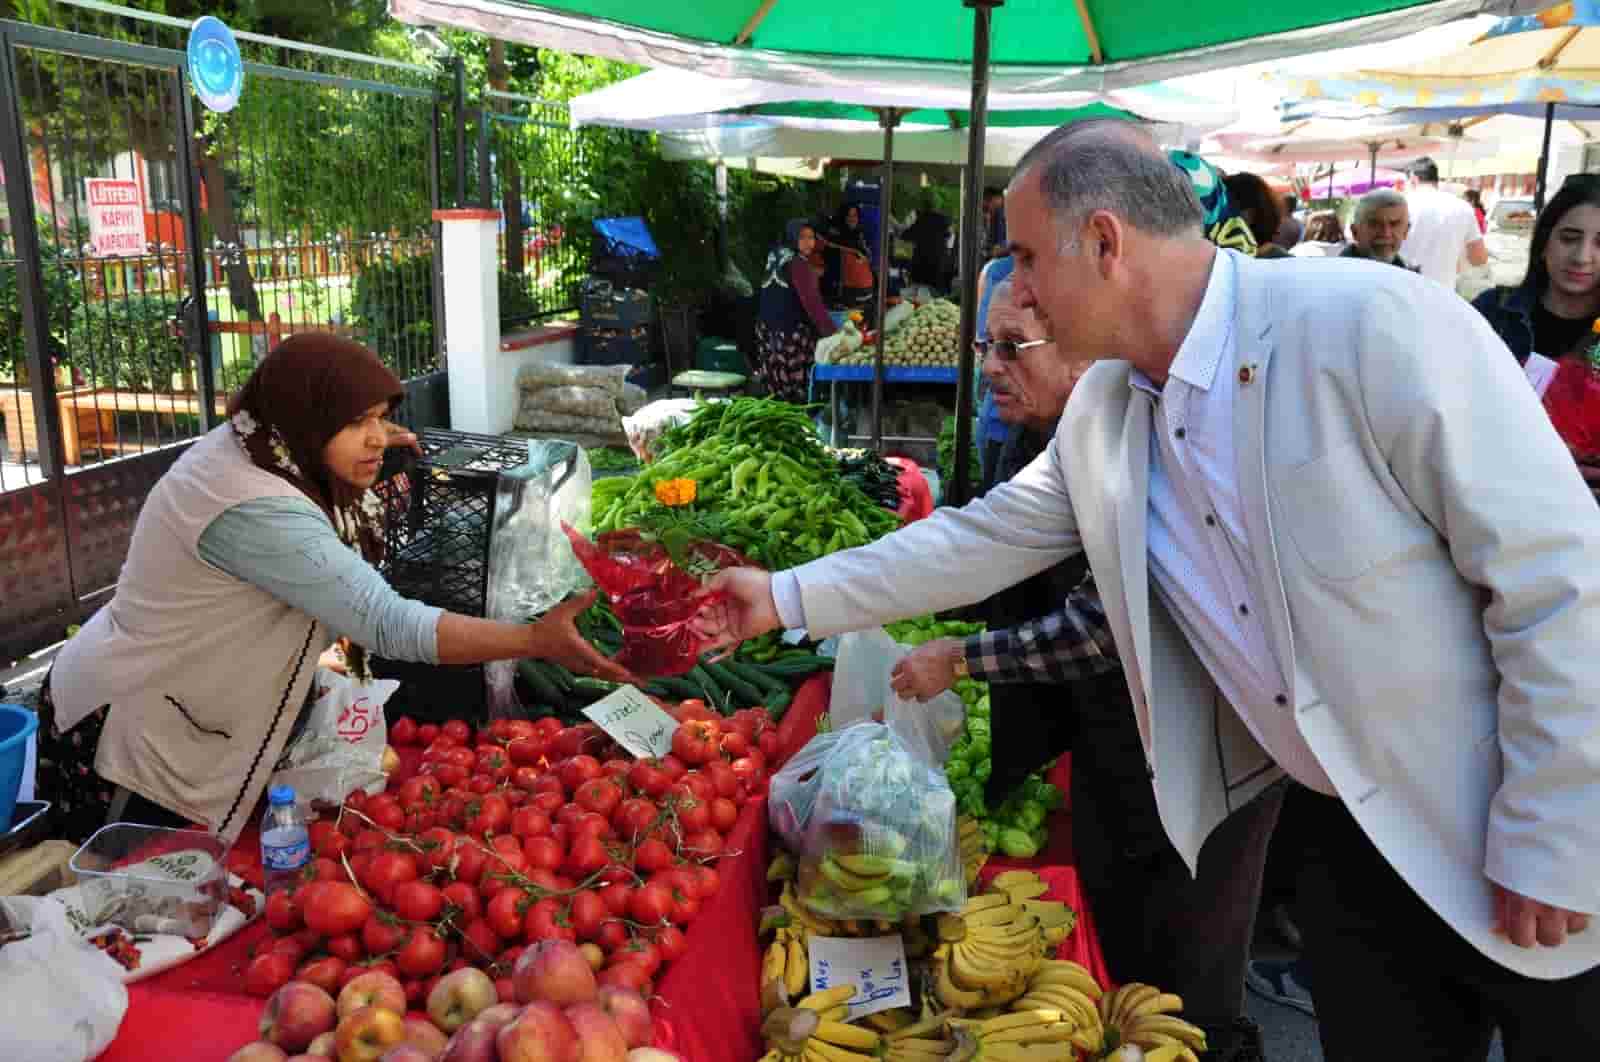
707	1006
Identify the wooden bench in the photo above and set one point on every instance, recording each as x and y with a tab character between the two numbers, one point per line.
89	417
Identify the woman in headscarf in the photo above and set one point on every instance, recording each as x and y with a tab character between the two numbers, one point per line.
792	315
849	260
250	556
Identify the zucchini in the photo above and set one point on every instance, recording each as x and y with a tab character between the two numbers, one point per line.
680	688
586	691
714	692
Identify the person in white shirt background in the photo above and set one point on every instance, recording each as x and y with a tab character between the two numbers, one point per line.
1329	546
1443	228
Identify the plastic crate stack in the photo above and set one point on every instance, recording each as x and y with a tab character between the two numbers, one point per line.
440	510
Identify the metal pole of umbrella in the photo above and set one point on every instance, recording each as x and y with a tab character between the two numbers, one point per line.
972	217
1372	174
1544	159
889	117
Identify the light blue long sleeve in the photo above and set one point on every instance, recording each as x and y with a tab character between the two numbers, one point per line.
286	547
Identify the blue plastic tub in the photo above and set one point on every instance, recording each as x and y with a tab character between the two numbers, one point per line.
17	725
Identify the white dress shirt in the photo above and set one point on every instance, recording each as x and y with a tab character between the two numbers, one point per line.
1198	545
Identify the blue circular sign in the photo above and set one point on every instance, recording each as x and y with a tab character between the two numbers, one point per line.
215	69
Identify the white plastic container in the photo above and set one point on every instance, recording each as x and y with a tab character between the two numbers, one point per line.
180	891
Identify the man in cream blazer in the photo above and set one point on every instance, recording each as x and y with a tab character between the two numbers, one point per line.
1335	535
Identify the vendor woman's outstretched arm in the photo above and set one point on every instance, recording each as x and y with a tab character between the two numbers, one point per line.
287	547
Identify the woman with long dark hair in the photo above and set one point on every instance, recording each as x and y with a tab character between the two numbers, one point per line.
1552	312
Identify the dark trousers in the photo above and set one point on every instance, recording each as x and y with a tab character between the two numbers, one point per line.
1393	980
1157	923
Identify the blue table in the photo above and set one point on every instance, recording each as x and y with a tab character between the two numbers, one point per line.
834	375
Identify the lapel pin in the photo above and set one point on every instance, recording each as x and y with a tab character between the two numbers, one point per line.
1247	374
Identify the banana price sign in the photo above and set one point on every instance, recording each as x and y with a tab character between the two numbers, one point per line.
116	217
876	966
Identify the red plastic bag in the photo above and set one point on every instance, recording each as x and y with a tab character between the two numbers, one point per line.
655	600
1573	402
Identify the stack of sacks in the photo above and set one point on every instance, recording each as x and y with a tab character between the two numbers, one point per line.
581	403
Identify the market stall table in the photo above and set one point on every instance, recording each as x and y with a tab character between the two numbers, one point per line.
707	1006
834	375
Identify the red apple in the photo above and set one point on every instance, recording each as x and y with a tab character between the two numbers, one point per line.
366	1034
258	1052
324	1046
406	1053
599	1039
425	1036
652	1054
473	1042
297	1014
459	997
375	989
591	951
500	1014
631	1013
554	971
541	1034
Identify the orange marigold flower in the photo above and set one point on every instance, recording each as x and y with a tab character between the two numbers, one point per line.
675	492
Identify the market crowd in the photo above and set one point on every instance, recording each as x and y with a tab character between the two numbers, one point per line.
1279	540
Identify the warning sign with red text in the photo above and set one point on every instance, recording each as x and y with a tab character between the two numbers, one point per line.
116	217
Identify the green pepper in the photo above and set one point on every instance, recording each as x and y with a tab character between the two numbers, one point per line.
779	519
983	770
742	472
1017	844
1031	816
980	748
977	727
956	769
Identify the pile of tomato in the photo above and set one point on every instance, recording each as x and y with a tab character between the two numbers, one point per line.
524	831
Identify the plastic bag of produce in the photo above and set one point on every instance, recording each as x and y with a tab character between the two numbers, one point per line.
649	423
536	419
339	747
596	403
873	825
531	568
61	998
542	374
654	590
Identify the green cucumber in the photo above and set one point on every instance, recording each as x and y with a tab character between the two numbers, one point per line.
755	677
747	694
544	690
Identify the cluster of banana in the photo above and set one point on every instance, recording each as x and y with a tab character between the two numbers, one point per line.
816	1030
988	953
974	848
1146	1017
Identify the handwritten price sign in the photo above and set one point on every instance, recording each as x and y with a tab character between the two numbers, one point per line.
875	965
634	722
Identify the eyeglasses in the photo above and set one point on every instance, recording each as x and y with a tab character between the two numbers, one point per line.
1005	349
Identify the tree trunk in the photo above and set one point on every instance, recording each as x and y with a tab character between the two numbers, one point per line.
511	172
225	227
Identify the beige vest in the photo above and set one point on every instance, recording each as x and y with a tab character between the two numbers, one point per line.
204	673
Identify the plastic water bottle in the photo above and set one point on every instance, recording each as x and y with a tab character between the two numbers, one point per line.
285	841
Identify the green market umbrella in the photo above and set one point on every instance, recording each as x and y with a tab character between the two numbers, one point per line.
866	50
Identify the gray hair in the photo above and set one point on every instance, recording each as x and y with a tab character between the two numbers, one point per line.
999	296
1374	201
1113	165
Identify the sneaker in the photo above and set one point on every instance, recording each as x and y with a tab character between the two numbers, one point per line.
1238	1041
1275	981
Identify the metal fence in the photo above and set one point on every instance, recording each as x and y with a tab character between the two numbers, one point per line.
150	254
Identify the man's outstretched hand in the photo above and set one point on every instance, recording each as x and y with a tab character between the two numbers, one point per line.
748	610
1526	921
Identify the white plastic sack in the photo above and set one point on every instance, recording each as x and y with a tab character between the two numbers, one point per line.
341	746
896	315
648	424
829	348
861	692
61	998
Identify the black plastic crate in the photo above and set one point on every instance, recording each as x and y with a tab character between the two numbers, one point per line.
606	306
440	510
613	346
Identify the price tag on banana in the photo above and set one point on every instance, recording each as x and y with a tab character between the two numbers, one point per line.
634	722
876	966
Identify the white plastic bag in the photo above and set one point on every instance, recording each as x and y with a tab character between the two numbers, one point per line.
861	691
873	826
647	425
61	998
340	748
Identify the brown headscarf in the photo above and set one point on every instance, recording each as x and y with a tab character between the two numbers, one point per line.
305	392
